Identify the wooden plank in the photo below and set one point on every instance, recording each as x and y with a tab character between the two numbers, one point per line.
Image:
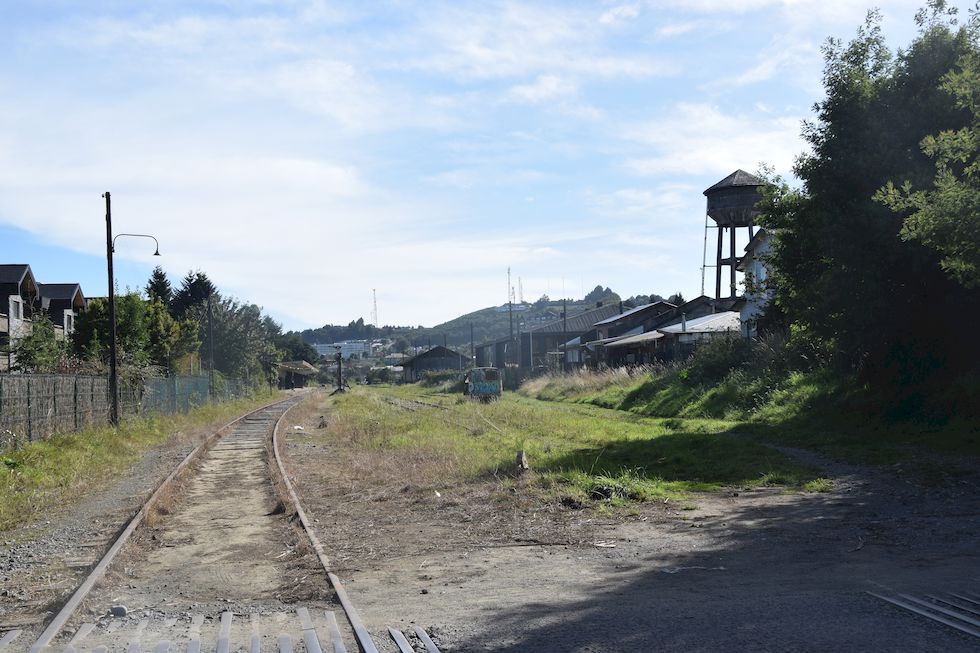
82	632
966	596
972	609
134	644
162	647
306	622
938	608
255	643
935	617
285	644
403	644
335	637
309	633
224	635
9	638
194	634
430	646
100	649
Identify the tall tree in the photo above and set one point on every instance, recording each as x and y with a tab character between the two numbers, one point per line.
946	217
195	288
845	279
158	287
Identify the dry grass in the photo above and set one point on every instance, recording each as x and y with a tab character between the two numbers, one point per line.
585	382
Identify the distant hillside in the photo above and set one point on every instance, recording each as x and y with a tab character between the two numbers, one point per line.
492	323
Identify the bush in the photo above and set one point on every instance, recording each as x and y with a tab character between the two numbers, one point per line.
432	378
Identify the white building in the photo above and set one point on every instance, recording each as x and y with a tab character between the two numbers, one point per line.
755	268
347	348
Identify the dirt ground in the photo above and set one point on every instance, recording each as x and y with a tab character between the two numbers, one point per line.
486	567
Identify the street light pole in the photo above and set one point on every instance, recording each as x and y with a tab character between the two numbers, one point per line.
110	247
113	379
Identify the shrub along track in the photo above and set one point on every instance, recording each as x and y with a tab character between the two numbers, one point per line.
214	564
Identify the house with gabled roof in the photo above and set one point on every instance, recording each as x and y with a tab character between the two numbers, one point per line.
62	302
18	298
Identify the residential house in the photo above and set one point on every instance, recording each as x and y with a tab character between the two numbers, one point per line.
18	299
62	302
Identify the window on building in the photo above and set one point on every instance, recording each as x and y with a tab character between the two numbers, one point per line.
15	309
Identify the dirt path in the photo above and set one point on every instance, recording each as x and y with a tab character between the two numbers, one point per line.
485	568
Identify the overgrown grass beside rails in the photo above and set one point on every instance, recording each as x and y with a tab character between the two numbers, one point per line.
776	397
578	452
42	476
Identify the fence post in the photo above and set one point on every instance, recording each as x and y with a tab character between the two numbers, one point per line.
54	407
174	392
30	431
75	401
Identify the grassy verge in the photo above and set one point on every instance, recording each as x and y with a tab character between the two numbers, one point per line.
816	409
42	475
577	452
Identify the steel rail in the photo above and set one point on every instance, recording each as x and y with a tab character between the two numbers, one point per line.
58	622
360	631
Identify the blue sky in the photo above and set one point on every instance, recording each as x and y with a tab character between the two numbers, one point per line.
303	153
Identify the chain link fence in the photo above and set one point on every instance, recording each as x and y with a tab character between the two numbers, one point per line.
36	406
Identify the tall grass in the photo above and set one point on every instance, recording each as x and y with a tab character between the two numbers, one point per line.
578	451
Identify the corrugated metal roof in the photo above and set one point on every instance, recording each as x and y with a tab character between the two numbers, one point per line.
625	314
578	323
298	367
727	321
631	332
650	336
737	178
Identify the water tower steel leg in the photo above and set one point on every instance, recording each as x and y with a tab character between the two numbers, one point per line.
731	261
721	233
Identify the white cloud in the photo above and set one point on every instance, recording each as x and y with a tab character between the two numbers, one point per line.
696	139
544	88
515	40
619	14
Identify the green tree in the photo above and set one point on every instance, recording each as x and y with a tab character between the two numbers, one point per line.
90	339
40	352
195	288
946	217
158	287
846	281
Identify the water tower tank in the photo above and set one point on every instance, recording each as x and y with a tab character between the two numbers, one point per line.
731	202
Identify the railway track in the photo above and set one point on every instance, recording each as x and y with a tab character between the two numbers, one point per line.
211	562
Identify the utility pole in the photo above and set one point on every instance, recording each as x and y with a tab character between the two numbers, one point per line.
472	346
210	350
444	343
340	371
564	334
113	361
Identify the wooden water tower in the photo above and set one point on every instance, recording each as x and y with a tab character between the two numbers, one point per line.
731	204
